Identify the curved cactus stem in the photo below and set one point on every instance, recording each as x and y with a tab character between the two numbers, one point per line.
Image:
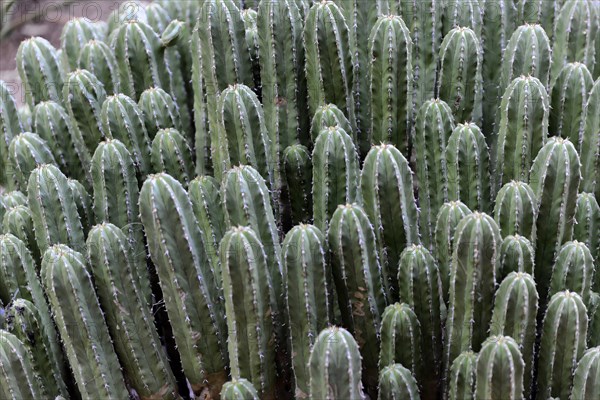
328	116
18	221
516	255
160	111
573	270
586	381
397	382
461	377
76	33
237	389
172	154
10	200
98	58
19	380
500	369
516	209
25	152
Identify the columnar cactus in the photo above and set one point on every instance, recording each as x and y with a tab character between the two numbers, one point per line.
593	306
335	366
76	33
24	321
53	208
40	71
10	126
459	80
122	119
590	144
542	12
522	130
297	172
309	290
554	178
472	284
19	380
83	202
358	279
335	174
98	58
327	116
448	218
176	247
237	389
397	382
25	152
10	200
171	153
17	221
573	270
468	167
249	17
26	117
587	229
433	126
461	377
515	210
515	310
467	13
562	345
160	111
516	255
386	187
80	322
587	376
390	78
500	370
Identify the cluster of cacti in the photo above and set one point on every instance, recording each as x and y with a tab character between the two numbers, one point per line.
298	199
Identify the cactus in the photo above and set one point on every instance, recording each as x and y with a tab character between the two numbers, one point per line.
83	203
327	116
19	273
459	80
515	210
297	172
10	200
76	33
98	58
25	152
309	289
448	218
358	280
10	126
26	117
387	193
590	144
159	110
171	153
554	178
250	304
433	126
24	321
515	310
593	306
335	366
176	247
250	17
239	389
397	382
54	211
133	10
335	174
516	255
390	74
462	377
468	167
562	344
80	322
586	230
573	270
40	71
472	284
18	221
522	131
19	380
500	370
83	95
587	376
467	13
542	12
123	120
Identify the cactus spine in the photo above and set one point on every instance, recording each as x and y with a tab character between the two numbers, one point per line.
462	377
171	153
25	153
590	144
98	58
573	270
500	370
515	210
397	382
587	376
19	380
237	389
297	171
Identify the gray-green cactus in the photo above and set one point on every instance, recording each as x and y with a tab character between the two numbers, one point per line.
515	210
26	117
83	202
10	200
467	13
10	126
239	389
587	229
590	144
98	58
461	377
468	167
500	370
327	116
335	366
249	18
516	255
18	221
515	310
76	33
171	153
593	308
587	376
25	152
573	270
176	247
159	110
397	382
297	173
562	345
542	12
19	380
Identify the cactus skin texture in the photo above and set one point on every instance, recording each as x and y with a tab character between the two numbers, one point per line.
390	74
24	321
515	210
171	153
462	377
122	119
358	279
542	12
587	376
335	366
26	151
76	33
459	80
472	284
554	178
297	171
81	324
18	221
83	202
10	126
10	200
466	13
159	110
329	61
387	194
468	166
239	389
250	16
515	310
563	343
587	229
593	307
397	382
19	380
500	370
309	290
250	303
421	288
98	58
433	126
40	71
128	316
176	248
327	116
335	174
448	218
54	210
516	255
573	270
569	97
522	131
590	144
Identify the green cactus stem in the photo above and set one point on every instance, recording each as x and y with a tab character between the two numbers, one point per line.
467	13
515	210
98	58
76	33
587	229
397	382
19	380
593	306
10	200
516	255
171	153
25	152
18	221
462	376
542	12
297	172
10	126
590	144
327	116
573	270
586	382
250	17
159	110
500	370
239	389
